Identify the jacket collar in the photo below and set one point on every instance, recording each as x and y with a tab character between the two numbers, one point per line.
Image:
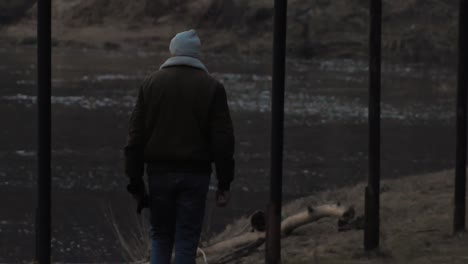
184	60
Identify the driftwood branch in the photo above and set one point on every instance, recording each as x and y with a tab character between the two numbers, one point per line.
244	244
313	214
233	243
241	252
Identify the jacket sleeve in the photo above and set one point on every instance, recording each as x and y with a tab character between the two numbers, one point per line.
134	150
222	139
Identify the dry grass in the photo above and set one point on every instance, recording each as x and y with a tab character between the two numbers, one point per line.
137	246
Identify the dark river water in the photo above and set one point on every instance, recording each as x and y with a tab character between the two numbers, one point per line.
94	91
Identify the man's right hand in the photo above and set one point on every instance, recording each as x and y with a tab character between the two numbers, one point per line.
222	198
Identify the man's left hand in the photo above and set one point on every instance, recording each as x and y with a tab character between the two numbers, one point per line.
142	201
139	193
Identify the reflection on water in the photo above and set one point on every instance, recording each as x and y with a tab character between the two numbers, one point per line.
328	109
94	91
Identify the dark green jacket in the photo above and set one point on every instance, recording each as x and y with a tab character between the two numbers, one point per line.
181	123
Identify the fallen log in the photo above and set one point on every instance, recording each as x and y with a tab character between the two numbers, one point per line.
313	214
237	246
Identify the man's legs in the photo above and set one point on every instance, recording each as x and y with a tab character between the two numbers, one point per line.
162	192
190	211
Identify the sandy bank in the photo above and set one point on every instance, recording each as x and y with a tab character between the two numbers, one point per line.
416	226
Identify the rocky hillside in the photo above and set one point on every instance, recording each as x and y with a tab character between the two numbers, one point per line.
412	29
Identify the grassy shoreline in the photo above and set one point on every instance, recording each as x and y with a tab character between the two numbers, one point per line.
416	226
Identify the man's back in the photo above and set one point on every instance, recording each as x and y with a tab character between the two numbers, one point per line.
179	100
182	122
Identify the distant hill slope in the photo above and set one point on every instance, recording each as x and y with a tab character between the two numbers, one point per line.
412	29
13	10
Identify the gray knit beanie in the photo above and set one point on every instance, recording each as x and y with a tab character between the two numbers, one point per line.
186	43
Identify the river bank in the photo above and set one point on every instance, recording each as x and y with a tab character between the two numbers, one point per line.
416	226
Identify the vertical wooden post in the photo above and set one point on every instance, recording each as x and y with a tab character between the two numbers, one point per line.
273	236
460	167
372	195
44	129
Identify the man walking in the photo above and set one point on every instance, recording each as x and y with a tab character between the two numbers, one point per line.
180	125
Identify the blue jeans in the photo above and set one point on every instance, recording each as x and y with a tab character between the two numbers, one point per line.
177	204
